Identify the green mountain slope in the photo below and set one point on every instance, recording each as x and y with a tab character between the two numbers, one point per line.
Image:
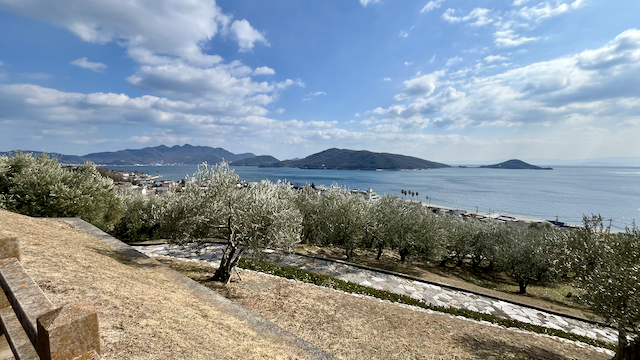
344	159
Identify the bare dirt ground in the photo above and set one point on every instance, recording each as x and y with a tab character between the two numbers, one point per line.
356	327
142	314
551	297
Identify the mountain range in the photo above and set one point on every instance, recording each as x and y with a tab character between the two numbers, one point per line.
164	155
338	159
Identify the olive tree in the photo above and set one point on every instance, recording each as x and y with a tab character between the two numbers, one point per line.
607	266
342	219
250	218
40	186
531	255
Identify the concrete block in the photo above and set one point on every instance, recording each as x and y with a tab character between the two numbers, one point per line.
9	245
24	295
69	332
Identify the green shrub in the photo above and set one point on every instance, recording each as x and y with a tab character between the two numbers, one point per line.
40	186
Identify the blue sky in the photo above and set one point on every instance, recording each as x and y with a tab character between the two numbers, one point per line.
445	80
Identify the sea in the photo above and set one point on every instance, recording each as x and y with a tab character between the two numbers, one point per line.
565	193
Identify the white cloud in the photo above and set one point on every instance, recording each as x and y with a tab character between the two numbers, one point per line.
519	2
546	10
386	79
317	93
140	139
403	34
246	35
86	64
169	27
367	2
431	5
433	58
43	107
407	63
480	15
420	86
593	87
1	63
454	60
280	110
263	70
494	58
508	38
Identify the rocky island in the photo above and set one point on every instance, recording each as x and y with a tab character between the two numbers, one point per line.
515	164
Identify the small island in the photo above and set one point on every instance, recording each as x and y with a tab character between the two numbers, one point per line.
514	164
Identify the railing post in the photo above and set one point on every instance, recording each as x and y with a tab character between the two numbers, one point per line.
9	245
69	332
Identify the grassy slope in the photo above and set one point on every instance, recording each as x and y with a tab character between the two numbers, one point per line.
142	314
360	327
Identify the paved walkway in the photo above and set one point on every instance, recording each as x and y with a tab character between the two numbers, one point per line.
421	290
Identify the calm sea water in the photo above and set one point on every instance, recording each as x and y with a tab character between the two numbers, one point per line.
567	192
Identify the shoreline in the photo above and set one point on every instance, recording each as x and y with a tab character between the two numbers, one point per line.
497	216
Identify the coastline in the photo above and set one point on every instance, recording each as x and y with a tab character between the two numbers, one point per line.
496	216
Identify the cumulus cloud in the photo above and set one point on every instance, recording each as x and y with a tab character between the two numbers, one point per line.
246	35
595	85
403	34
43	107
263	70
86	64
431	5
170	27
419	86
407	63
386	79
519	2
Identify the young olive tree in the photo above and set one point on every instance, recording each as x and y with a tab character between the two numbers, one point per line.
607	266
40	186
342	218
405	227
531	255
251	218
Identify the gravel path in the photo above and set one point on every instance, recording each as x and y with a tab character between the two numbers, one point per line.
421	290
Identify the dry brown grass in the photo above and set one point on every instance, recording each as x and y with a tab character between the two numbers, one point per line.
354	327
142	314
544	297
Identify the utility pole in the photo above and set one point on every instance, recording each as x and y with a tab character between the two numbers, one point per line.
609	228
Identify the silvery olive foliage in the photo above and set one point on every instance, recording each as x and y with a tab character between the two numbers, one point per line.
40	186
607	266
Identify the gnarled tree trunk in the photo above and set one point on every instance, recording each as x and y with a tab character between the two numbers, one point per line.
626	350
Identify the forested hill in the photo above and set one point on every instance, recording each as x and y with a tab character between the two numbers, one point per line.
178	155
255	161
65	159
186	155
515	164
343	159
